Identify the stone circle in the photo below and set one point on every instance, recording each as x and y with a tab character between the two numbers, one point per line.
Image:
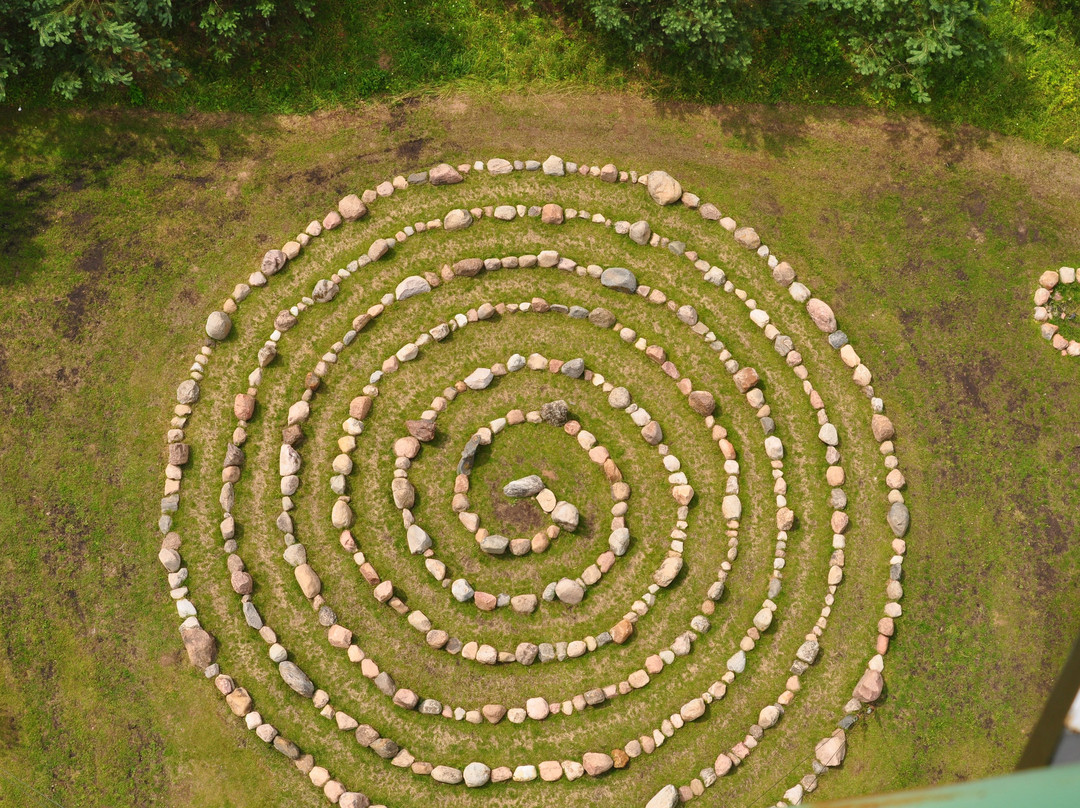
650	321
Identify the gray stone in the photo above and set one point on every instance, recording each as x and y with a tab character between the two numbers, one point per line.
494	544
524	487
619	541
565	516
273	261
838	339
296	679
476	775
554	166
899	518
556	413
461	590
619	278
640	232
575	368
187	392
418	539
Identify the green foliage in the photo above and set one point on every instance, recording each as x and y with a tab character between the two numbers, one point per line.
904	43
896	43
708	34
90	45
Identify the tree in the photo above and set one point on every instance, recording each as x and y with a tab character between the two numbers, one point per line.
92	44
896	43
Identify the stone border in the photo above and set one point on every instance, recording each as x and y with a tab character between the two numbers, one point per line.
188	394
1048	281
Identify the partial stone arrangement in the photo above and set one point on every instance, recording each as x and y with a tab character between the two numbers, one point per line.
663	189
1048	308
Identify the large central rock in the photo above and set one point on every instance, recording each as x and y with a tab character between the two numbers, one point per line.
524	487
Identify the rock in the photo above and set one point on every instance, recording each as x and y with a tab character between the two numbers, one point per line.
609	173
551	214
447	775
763	619
652	433
288	461
692	710
411	286
869	688
808	652
476	775
899	518
421	428
619	278
537	708
273	261
565	516
457	219
461	590
821	314
619	541
702	402
745	379
828	434
830	751
596	763
200	645
768	716
554	166
243	407
1049	279
569	592
668	570
353	799
296	679
218	325
341	516
497	166
667	797
494	544
524	487
468	267
663	188
351	208
404	493
444	174
683	494
747	237
384	748
479	379
309	581
324	291
187	392
418	539
601	317
640	232
622	631
556	413
575	368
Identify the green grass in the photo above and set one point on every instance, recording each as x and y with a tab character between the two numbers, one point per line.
352	53
123	229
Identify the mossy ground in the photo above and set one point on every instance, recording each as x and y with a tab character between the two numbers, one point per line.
122	230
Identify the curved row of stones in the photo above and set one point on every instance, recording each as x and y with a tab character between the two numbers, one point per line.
1047	309
215	327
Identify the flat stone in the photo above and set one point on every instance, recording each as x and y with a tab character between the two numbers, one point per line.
412	286
476	775
667	797
524	487
830	751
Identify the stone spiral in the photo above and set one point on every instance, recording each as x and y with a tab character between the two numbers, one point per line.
378	423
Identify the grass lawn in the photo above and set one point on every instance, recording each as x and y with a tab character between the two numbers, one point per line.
123	229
